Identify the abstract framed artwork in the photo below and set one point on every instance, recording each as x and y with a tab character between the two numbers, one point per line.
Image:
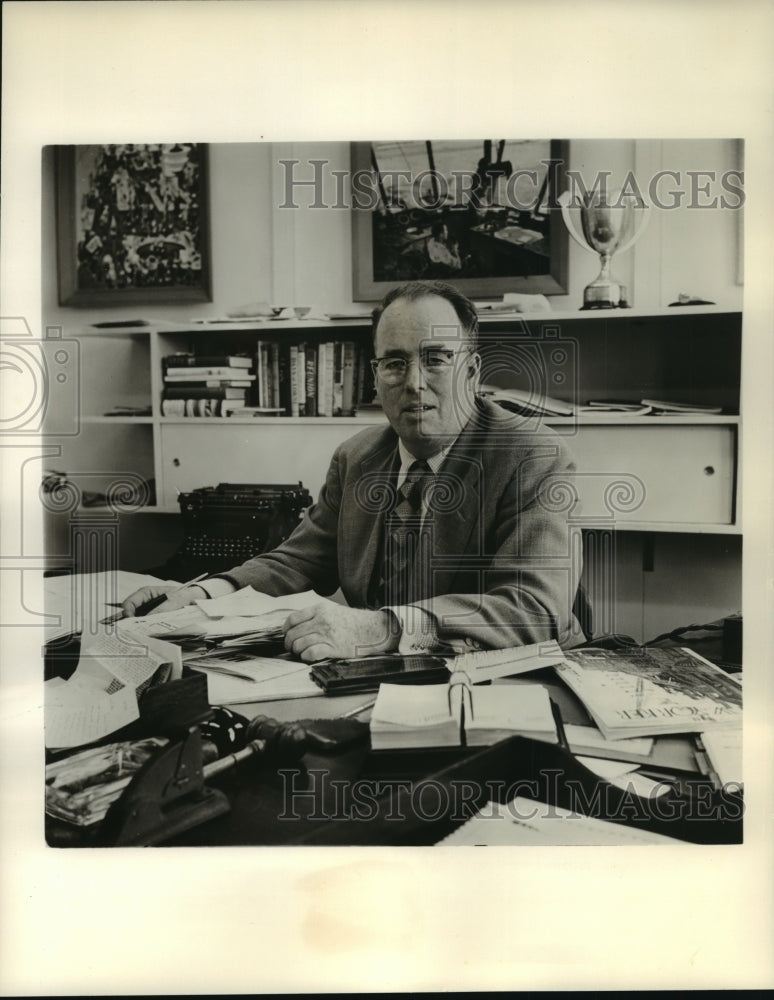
132	224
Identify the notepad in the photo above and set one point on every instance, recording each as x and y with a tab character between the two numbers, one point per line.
457	714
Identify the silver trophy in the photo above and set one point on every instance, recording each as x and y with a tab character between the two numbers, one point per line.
609	226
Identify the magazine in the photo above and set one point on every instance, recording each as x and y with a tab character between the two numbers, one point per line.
644	692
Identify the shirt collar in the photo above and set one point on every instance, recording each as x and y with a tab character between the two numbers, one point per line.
435	462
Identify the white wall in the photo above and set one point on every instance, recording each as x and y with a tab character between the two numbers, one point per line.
261	252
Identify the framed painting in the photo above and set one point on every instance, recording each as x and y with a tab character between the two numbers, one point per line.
481	213
132	224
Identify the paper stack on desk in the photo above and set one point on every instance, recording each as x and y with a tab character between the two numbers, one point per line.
79	600
101	695
236	677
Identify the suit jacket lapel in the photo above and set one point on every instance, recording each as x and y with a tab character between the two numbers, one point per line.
366	507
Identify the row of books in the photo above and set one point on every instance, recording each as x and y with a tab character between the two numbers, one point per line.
325	379
331	378
205	386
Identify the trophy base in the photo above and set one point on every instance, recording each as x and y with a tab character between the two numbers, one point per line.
605	295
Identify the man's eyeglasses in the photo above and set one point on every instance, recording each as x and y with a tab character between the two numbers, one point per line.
433	361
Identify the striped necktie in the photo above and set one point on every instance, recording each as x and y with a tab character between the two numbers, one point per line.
402	535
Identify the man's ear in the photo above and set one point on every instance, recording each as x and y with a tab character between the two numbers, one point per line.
474	366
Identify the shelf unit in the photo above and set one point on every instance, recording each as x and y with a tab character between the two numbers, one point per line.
686	466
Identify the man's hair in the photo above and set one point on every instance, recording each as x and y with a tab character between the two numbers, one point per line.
412	291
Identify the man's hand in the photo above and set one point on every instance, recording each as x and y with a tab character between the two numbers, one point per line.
178	599
330	631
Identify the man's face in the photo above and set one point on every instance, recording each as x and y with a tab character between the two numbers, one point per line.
431	405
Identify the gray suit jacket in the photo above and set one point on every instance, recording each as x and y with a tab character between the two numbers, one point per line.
500	569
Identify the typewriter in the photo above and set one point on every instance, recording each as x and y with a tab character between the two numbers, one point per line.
224	525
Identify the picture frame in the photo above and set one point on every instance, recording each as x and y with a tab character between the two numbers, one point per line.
132	224
480	213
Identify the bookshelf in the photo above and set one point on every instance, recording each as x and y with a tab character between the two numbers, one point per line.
664	473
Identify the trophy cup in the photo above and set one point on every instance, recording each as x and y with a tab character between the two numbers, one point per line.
608	227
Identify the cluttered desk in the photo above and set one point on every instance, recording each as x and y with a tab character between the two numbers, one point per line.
194	727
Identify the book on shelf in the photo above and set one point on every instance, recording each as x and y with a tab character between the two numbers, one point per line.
208	383
203	373
328	378
525	401
203	392
338	378
614	411
310	380
348	378
667	406
229	408
241	361
204	407
458	714
300	369
293	381
648	691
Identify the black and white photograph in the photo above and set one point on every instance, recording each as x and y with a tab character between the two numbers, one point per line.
369	493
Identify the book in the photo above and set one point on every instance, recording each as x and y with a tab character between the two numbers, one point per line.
203	392
241	361
301	379
524	401
273	375
593	409
204	372
209	383
671	407
348	379
720	755
236	409
338	378
293	381
645	692
493	664
311	380
458	714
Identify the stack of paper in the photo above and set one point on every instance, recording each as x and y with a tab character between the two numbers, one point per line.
101	695
526	712
235	677
439	715
408	716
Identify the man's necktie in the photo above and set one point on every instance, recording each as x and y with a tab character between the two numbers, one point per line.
402	535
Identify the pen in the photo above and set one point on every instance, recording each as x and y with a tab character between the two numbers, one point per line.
356	711
559	726
154	602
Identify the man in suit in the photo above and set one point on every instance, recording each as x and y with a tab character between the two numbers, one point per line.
438	529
